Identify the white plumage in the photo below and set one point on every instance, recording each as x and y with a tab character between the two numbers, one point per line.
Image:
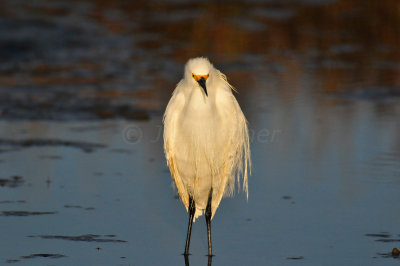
206	138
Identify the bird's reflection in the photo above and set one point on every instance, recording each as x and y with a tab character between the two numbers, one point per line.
209	262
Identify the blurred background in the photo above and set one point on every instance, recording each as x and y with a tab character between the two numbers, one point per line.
83	87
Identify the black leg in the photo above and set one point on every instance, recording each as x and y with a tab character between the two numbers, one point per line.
209	261
186	260
208	221
191	209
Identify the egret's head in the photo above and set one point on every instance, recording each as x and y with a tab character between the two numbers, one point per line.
198	71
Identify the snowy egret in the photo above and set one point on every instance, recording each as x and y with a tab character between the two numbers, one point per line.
206	142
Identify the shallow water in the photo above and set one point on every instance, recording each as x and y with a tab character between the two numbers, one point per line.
83	87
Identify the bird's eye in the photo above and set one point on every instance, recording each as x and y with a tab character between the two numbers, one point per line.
192	75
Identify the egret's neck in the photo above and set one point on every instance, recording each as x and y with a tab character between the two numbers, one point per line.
197	99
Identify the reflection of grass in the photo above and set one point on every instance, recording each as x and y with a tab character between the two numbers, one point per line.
13	181
295	258
26	143
44	255
12	201
79	207
84	238
115	48
24	213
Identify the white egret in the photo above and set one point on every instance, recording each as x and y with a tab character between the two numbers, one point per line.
206	142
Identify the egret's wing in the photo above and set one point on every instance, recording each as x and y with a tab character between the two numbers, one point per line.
171	117
236	152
